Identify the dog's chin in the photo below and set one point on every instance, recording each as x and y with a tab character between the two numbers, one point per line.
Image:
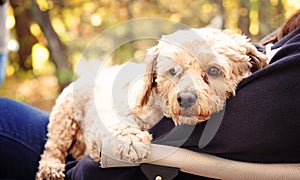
189	119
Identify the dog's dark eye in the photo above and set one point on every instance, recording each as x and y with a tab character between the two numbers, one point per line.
214	71
173	72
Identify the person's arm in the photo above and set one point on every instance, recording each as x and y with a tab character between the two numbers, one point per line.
202	164
3	39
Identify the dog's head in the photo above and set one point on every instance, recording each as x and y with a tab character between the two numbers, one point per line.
191	73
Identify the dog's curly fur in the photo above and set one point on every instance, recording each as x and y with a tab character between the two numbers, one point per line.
188	76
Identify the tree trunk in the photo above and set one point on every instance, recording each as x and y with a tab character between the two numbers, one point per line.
222	13
265	14
57	49
244	20
26	39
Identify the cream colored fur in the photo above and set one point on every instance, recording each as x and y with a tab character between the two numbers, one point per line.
87	112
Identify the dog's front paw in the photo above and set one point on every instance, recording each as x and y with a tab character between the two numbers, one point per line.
133	145
51	169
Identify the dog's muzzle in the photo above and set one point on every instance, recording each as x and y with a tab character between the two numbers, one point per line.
186	99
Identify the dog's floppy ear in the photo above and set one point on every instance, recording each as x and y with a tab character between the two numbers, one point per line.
150	76
257	59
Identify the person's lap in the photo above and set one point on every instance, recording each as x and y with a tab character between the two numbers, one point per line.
23	132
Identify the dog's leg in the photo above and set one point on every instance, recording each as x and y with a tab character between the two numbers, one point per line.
62	130
128	143
78	146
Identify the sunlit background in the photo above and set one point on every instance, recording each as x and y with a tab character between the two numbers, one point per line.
37	70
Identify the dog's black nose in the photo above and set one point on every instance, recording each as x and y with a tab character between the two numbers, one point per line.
186	99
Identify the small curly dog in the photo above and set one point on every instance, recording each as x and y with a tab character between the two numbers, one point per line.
188	76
